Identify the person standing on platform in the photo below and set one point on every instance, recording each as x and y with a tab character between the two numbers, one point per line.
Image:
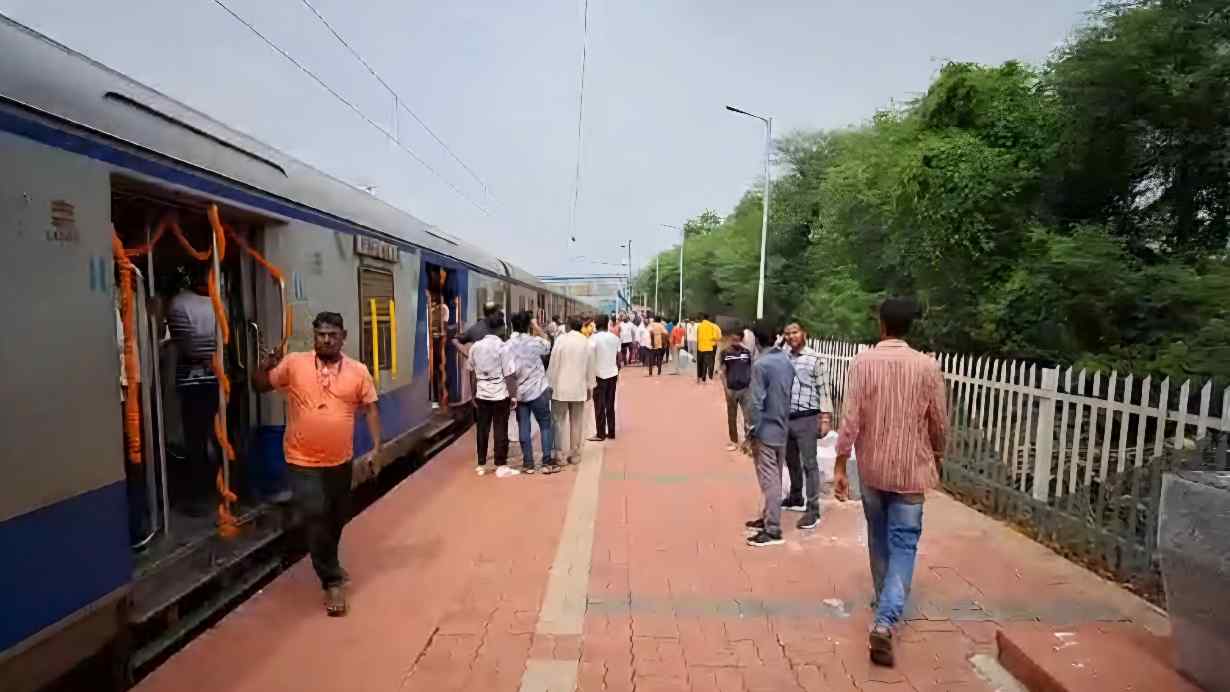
691	333
808	397
677	336
736	374
527	346
571	377
324	389
707	336
495	373
658	337
627	339
895	415
604	347
767	429
193	328
553	328
642	340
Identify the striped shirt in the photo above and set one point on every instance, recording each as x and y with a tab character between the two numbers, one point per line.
895	416
809	393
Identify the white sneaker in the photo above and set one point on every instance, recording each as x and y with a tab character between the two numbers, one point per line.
505	472
481	470
732	448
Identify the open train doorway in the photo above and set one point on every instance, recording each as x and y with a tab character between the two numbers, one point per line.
188	416
443	317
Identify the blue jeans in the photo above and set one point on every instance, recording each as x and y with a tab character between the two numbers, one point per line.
540	409
894	525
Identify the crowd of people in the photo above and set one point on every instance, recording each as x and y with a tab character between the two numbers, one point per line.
894	415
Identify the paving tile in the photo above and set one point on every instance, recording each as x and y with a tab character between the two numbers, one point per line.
448	598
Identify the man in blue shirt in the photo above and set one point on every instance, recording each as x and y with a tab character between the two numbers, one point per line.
772	376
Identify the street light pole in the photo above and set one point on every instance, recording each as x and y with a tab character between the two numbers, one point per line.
682	238
764	223
657	272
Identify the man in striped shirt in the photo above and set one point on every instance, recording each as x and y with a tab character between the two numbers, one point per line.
808	398
895	416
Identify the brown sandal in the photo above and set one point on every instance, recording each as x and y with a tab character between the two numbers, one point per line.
335	601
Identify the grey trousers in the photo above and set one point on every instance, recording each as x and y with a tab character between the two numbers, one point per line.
572	413
805	480
769	460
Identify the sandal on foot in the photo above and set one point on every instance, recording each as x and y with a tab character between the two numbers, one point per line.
335	601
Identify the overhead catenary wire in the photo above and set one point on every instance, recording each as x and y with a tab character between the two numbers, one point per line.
324	85
576	176
398	100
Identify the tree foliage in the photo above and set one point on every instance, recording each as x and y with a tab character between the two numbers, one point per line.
1077	212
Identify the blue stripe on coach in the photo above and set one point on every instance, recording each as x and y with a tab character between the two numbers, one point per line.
60	558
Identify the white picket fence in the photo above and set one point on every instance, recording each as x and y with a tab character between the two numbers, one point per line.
1053	428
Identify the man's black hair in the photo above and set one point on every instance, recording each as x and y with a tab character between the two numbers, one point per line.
765	333
575	323
332	319
555	318
897	315
602	322
496	321
490	309
521	321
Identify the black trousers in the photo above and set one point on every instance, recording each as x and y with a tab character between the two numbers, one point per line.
322	499
704	365
492	416
655	360
198	404
604	406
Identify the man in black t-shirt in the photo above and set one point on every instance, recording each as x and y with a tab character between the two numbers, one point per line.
736	372
474	334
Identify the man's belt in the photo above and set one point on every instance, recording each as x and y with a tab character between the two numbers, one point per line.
794	415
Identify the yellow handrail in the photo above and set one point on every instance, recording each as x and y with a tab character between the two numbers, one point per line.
393	336
375	344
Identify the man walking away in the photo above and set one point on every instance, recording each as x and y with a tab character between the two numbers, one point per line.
324	389
896	416
770	405
643	341
571	376
707	336
627	339
658	337
604	349
736	373
691	334
808	396
527	346
495	373
678	334
193	328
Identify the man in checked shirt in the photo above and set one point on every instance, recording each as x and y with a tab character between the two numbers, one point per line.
808	398
896	417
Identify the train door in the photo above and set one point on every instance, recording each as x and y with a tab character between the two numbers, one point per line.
197	474
444	318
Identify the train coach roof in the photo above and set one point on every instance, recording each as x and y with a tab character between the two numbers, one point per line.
42	74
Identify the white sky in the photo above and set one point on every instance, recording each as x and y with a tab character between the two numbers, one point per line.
498	81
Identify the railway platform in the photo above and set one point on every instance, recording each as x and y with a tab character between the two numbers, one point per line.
629	572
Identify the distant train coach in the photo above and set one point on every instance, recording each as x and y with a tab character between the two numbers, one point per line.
140	476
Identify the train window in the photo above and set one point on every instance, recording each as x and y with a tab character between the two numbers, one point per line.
377	285
482	300
521	303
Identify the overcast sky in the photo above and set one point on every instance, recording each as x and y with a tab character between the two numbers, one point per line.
497	80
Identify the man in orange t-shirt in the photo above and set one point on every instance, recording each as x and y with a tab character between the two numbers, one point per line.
323	390
677	336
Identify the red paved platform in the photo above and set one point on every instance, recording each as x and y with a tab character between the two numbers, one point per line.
652	587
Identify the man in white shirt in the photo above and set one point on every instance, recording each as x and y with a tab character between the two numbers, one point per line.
527	346
571	376
643	340
495	375
627	339
604	347
692	337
